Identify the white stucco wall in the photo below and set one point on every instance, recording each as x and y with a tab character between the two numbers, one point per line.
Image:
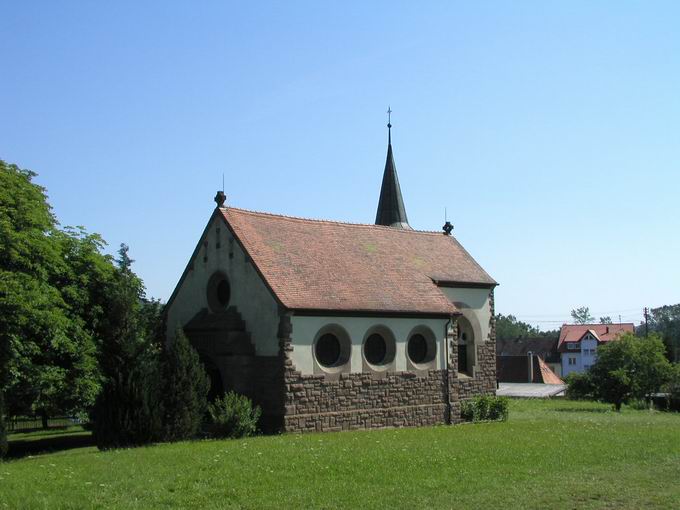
585	356
249	294
474	305
566	367
305	329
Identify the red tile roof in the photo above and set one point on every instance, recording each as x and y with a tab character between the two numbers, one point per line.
333	266
602	332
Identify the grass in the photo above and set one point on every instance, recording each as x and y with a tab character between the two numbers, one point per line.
550	454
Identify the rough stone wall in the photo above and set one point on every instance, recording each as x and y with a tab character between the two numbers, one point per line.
364	401
398	399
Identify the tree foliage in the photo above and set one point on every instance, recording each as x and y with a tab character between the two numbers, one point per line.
629	367
582	315
185	392
51	283
128	411
665	320
606	320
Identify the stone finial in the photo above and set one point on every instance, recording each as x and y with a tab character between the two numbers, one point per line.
220	198
447	228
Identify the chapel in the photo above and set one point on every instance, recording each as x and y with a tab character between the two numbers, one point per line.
328	325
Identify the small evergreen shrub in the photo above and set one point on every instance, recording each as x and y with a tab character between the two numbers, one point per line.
485	408
233	416
185	392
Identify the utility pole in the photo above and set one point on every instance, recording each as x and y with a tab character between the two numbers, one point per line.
646	322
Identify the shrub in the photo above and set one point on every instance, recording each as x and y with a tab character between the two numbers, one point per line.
233	415
485	408
186	386
580	386
499	408
467	410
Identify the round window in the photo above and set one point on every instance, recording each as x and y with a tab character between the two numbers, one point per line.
375	349
327	350
223	293
417	348
218	292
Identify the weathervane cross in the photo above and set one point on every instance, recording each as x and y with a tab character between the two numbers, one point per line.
389	117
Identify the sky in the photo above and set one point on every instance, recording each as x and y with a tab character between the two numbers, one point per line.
548	131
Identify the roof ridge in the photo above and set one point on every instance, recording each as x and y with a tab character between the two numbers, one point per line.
336	222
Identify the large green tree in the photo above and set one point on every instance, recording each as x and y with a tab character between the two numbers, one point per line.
52	287
128	411
665	320
629	367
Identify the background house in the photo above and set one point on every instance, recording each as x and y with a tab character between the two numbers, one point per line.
578	343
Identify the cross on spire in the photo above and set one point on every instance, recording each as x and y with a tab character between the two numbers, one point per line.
389	117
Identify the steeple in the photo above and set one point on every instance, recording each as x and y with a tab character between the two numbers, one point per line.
391	211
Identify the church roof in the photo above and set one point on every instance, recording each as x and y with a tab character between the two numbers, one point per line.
391	211
342	267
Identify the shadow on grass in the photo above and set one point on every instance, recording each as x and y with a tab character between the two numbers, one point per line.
49	442
583	410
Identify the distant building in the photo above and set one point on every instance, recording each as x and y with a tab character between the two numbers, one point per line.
578	343
528	360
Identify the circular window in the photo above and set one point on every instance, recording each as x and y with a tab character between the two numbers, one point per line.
375	349
422	347
219	292
327	350
223	293
417	348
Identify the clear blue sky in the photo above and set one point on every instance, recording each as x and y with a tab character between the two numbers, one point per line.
550	130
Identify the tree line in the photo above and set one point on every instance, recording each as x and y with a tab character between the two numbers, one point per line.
78	335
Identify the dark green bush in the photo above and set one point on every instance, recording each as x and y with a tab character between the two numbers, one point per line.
485	408
580	386
233	415
185	392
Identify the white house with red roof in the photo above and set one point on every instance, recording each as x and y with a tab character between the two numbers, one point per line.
578	343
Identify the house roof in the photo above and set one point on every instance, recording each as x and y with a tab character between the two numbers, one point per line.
345	267
601	332
547	375
546	347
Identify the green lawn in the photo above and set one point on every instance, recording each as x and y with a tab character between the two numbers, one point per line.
550	454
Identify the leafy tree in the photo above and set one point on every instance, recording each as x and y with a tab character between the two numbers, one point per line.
128	410
606	320
582	315
580	386
51	364
629	367
186	389
665	320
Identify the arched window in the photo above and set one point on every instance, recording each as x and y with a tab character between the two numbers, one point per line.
466	346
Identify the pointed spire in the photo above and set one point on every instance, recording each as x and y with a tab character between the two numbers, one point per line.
391	210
